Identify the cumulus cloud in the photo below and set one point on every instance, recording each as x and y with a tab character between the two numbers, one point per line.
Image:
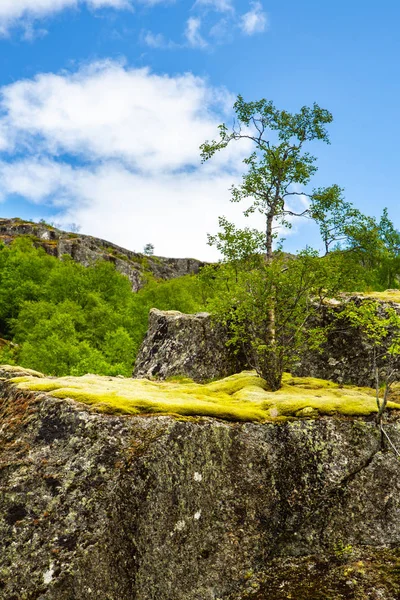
117	151
193	35
255	20
14	11
105	110
129	208
34	179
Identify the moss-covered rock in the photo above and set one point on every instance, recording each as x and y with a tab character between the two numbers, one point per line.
138	507
240	397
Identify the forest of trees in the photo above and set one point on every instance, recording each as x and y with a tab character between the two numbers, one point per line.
63	318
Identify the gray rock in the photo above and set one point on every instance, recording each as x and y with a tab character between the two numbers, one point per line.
187	345
191	345
157	508
347	356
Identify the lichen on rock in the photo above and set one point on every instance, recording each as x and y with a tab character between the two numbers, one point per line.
187	345
139	507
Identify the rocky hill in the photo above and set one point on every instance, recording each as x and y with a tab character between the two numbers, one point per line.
169	507
87	250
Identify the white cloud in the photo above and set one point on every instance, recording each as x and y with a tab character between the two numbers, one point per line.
254	21
222	31
193	35
157	40
34	179
217	5
128	208
117	151
153	40
107	111
14	11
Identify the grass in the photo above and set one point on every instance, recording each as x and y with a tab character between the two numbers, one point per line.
241	397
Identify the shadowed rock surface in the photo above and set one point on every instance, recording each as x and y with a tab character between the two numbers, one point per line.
187	345
347	356
87	250
159	508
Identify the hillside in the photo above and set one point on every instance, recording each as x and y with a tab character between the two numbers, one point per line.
63	318
86	250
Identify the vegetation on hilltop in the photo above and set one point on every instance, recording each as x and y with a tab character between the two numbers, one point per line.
62	318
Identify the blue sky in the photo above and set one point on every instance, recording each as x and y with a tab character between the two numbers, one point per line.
104	104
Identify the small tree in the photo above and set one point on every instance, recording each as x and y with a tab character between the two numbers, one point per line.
148	250
374	244
333	215
247	290
279	164
381	326
390	254
267	305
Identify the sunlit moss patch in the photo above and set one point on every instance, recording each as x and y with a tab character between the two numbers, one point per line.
386	296
241	397
21	371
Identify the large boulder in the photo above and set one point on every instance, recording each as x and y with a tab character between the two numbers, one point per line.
187	345
196	347
348	355
159	508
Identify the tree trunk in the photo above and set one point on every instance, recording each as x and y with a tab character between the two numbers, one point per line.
271	330
268	238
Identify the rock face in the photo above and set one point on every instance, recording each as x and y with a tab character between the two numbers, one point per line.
347	356
156	508
87	250
187	345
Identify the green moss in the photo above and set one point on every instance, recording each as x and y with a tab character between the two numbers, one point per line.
242	397
386	296
179	379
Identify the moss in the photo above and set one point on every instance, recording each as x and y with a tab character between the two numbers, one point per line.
356	575
386	296
179	379
241	397
20	370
